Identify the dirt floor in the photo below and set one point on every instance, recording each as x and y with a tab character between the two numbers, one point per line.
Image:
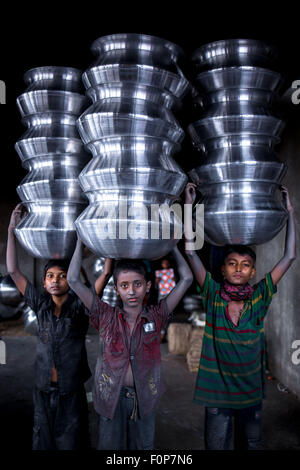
179	424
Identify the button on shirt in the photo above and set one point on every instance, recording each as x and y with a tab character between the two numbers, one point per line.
60	341
118	349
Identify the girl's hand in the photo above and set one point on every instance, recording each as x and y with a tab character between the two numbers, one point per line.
286	199
190	193
16	216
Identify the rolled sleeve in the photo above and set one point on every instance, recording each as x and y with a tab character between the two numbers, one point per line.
100	312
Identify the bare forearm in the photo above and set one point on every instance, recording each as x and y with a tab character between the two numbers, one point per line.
290	239
289	250
12	262
11	253
73	277
197	266
104	277
185	280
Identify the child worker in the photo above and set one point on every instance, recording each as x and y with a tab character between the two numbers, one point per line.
61	367
127	381
230	381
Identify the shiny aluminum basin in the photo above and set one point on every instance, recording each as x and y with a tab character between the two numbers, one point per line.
56	101
230	52
136	73
118	224
238	77
97	125
128	90
54	78
244	218
217	126
136	49
135	146
249	164
48	230
9	294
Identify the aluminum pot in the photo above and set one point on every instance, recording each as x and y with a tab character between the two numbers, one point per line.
147	75
129	224
48	230
9	294
243	213
137	49
231	52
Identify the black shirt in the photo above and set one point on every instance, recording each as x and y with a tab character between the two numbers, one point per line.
60	340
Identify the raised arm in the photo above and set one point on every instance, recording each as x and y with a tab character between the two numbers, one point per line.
11	251
290	242
193	259
104	277
73	277
185	280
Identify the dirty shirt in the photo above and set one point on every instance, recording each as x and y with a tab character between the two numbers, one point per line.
232	365
60	341
118	349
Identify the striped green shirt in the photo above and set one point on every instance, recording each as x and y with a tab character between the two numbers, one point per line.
232	365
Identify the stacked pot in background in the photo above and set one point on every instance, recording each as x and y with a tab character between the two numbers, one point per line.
53	153
109	294
130	129
236	134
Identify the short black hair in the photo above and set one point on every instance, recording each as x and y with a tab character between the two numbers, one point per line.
60	263
240	249
137	266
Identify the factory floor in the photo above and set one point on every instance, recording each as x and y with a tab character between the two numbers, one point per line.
179	424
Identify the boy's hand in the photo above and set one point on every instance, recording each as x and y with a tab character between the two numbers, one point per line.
190	193
16	216
286	199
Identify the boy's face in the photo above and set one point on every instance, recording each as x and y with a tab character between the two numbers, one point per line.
55	281
132	288
238	269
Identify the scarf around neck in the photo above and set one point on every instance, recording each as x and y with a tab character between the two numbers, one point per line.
231	292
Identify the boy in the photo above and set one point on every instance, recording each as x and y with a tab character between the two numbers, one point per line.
231	373
61	367
127	384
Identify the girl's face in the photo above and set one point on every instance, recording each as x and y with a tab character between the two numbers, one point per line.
238	269
165	264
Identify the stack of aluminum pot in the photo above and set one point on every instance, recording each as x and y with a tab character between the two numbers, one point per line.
52	151
135	85
236	134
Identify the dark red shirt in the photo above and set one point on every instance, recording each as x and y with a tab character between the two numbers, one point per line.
118	349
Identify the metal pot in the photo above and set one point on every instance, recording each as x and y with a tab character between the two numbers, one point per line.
136	49
121	224
147	75
9	294
232	52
